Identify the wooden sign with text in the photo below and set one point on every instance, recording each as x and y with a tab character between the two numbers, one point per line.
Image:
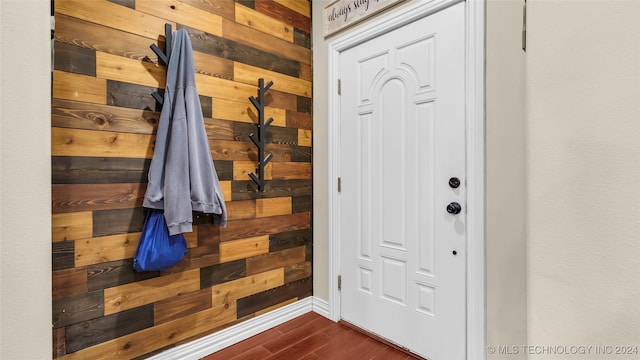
343	13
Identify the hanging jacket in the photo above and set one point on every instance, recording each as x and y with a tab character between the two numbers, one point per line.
182	176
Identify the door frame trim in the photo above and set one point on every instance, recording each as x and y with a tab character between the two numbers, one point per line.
475	153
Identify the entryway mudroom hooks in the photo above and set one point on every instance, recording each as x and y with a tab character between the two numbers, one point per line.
260	139
163	56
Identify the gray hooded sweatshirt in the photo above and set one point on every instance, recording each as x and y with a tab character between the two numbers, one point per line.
182	176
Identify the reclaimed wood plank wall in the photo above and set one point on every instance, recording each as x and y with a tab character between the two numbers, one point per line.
103	128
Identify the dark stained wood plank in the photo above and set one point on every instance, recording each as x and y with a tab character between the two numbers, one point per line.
224	8
299	120
304	104
69	282
205	104
302	203
290	239
91	332
74	59
59	348
77	308
196	258
132	96
219	129
118	221
101	170
275	134
181	305
284	14
291	170
298	271
224	169
209	235
253	303
242	229
111	40
273	260
85	197
128	3
232	50
114	273
80	115
221	273
301	38
248	3
301	153
62	255
281	100
245	190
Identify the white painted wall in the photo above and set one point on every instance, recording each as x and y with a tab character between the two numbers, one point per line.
506	177
583	171
25	180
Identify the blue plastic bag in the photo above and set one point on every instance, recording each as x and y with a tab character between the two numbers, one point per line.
156	249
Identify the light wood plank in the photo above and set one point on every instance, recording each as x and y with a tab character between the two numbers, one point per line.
242	169
71	226
244	248
304	137
299	6
285	83
291	170
235	289
114	67
144	341
79	87
182	13
245	111
239	210
263	23
73	142
105	248
225	188
114	16
275	260
191	238
224	89
212	65
131	295
273	206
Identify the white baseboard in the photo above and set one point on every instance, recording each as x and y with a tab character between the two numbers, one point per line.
215	342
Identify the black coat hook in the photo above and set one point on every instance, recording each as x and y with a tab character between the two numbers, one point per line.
260	139
163	56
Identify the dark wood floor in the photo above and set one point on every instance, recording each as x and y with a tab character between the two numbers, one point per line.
309	337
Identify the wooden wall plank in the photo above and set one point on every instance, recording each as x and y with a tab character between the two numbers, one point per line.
299	120
254	303
223	89
91	170
232	290
181	305
302	204
145	341
275	134
131	4
246	151
105	249
281	100
59	346
213	65
62	255
304	105
219	129
222	273
284	14
225	187
85	197
118	221
74	142
113	16
302	7
114	273
304	137
301	38
92	332
276	306
289	84
78	32
183	13
119	68
243	248
244	190
74	59
140	293
273	206
290	239
297	272
240	229
301	153
71	226
77	308
263	23
69	282
245	112
291	170
277	259
242	169
79	87
124	94
226	9
82	115
239	210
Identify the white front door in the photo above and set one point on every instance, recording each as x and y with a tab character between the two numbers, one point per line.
402	139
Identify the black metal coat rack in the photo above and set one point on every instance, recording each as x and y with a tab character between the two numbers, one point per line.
163	56
260	139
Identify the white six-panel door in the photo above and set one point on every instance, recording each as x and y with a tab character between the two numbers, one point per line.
402	138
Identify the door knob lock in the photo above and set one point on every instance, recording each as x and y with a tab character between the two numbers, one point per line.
454	208
454	182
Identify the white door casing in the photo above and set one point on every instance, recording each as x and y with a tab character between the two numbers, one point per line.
402	130
474	143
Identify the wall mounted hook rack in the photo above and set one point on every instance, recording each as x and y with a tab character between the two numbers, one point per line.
259	140
163	56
